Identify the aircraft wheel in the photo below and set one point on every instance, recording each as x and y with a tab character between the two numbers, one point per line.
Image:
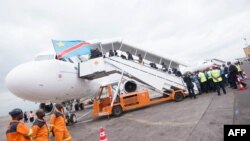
178	97
73	118
81	106
117	111
68	123
77	107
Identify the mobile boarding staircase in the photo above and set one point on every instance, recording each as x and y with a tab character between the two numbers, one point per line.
101	67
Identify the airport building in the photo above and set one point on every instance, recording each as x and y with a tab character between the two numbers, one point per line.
247	51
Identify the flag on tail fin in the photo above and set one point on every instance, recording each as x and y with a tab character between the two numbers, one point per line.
66	49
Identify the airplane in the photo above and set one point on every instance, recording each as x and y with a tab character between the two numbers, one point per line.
199	67
49	80
204	65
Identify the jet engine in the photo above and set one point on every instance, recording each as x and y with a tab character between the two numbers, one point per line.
130	86
48	108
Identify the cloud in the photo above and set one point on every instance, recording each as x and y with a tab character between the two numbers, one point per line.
9	102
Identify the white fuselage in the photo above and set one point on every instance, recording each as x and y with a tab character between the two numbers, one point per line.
49	81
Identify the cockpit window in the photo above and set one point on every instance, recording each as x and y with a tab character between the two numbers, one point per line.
44	57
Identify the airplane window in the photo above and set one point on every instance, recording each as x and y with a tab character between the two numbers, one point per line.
44	57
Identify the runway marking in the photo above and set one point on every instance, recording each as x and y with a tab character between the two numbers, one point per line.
85	121
160	123
84	115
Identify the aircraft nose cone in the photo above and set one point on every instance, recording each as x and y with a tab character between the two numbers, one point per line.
9	80
17	80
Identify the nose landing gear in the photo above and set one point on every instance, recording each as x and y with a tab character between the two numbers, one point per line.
70	117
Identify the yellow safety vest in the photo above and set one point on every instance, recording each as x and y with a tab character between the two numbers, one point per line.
202	77
209	74
238	68
216	74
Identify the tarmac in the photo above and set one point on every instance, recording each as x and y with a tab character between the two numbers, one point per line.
200	119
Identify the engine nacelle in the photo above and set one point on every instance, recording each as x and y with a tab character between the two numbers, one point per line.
130	86
47	108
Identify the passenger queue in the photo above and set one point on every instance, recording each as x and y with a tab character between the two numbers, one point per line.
215	78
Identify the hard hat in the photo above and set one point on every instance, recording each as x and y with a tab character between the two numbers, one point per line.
15	112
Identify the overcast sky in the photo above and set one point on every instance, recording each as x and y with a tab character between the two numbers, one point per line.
189	30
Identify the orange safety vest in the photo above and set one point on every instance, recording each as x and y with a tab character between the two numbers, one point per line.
57	122
18	131
58	127
40	131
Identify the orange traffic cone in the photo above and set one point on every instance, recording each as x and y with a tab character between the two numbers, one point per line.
102	135
241	87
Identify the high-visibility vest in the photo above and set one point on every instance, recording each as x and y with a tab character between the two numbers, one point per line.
18	131
209	74
216	76
40	131
58	125
57	122
202	77
238	68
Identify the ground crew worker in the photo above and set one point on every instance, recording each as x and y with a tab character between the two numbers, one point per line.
203	81
239	69
40	129
17	131
58	125
216	75
210	82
